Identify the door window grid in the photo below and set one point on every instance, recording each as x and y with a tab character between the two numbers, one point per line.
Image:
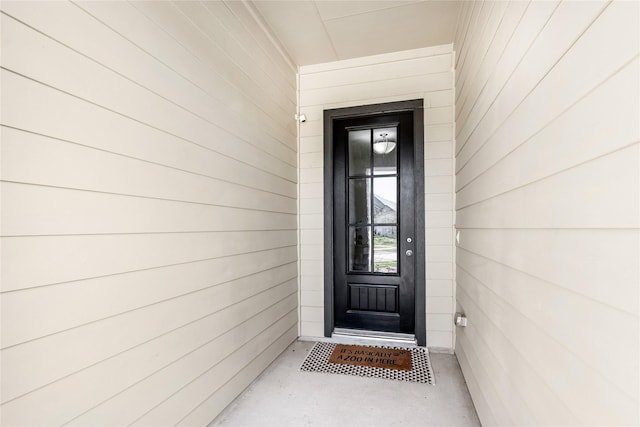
373	202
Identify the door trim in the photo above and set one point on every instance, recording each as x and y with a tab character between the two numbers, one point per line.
416	107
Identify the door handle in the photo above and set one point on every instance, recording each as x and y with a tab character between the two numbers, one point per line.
409	252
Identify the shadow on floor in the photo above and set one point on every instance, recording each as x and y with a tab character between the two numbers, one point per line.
285	396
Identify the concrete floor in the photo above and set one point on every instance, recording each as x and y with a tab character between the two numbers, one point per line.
285	396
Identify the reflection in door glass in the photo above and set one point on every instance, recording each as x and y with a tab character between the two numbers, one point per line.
360	249
385	249
359	152
385	154
359	201
385	200
372	200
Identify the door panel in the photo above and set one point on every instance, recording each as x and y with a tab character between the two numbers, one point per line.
373	219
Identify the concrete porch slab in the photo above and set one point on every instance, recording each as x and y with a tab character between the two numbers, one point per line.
285	396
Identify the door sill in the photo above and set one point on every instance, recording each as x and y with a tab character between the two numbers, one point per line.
359	336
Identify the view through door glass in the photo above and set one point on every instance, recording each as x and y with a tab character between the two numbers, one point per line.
373	224
373	200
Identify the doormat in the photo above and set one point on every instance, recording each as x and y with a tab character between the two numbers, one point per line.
371	361
392	358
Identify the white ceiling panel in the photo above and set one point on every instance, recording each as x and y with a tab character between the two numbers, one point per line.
339	9
400	28
298	26
317	31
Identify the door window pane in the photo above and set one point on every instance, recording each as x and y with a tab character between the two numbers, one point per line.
360	249
360	201
385	249
359	152
385	151
385	200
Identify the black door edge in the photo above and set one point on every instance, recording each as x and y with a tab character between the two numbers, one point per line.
331	115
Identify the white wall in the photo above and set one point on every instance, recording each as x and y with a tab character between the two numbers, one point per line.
149	210
422	73
547	190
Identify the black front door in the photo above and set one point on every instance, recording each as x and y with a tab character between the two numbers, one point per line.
373	223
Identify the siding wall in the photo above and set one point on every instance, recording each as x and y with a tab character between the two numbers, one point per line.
149	210
422	73
547	204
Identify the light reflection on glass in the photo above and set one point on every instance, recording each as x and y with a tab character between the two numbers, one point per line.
360	249
359	152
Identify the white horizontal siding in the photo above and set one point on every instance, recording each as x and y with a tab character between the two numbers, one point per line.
149	210
33	314
416	74
548	210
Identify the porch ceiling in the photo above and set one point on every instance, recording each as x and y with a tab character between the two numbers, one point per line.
315	31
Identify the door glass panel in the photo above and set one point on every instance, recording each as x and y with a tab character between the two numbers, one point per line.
372	201
359	152
385	200
360	249
360	201
385	153
385	249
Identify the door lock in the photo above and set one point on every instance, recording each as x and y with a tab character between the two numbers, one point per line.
409	252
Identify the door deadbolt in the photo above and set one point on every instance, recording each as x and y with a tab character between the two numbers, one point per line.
409	252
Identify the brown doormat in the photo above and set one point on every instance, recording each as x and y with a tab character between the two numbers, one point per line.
375	357
319	360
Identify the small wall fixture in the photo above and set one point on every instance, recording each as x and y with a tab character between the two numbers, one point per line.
300	117
383	145
460	320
